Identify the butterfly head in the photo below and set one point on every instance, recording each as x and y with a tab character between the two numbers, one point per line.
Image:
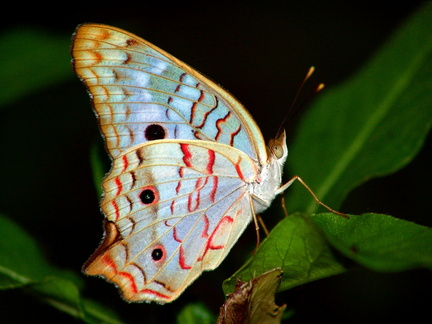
277	149
266	187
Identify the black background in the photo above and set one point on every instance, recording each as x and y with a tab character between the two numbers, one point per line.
259	51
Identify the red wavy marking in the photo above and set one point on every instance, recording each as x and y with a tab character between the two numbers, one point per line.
211	157
220	130
130	278
125	163
175	235
204	234
199	185
220	121
187	159
239	170
177	89
226	220
187	156
106	259
110	263
172	207
214	189
205	118
201	97
182	76
132	287
177	189
181	172
119	186
234	134
182	261
197	197
206	115
155	293
116	210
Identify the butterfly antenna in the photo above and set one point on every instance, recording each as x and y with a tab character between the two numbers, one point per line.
290	109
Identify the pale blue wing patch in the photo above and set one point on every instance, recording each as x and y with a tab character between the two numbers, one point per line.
134	85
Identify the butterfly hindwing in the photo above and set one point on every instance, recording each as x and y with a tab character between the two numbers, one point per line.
174	207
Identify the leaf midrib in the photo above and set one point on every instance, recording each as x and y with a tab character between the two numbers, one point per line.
361	137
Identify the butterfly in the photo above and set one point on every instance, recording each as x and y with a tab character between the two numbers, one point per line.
190	168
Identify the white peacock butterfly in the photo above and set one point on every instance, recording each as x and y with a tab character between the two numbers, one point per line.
190	166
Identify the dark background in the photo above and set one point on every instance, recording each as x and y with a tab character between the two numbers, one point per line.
259	51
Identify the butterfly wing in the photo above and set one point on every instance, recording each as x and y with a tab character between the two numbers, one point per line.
141	93
174	208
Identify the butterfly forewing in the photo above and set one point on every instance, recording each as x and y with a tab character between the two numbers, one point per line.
142	93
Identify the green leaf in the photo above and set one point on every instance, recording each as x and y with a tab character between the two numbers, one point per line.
296	246
195	313
379	242
31	60
369	126
18	250
57	287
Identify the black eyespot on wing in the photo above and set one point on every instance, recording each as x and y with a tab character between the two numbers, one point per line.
157	254
147	196
154	132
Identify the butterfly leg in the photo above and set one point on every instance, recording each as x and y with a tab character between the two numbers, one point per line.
256	219
289	183
263	226
284	206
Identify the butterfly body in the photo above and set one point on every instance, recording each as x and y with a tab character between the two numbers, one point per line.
190	167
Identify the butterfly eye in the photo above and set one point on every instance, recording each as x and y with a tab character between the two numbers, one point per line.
147	196
154	132
277	151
